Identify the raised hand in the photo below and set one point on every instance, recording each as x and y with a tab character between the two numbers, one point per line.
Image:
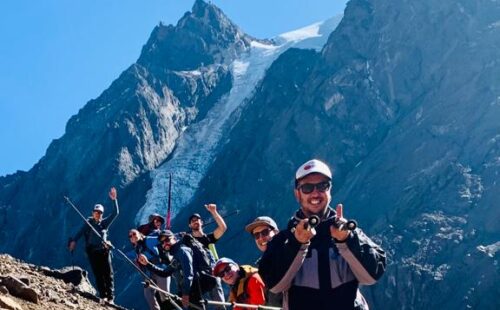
337	232
112	193
211	207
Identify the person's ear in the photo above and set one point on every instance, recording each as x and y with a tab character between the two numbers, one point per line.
297	194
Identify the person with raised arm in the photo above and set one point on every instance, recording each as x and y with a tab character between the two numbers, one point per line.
96	247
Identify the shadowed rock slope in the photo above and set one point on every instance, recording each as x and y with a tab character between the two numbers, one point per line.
403	101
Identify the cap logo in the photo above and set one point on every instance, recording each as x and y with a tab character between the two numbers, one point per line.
308	167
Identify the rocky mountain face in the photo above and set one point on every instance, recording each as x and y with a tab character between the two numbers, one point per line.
403	101
118	138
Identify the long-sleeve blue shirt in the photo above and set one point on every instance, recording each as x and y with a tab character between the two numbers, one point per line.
182	265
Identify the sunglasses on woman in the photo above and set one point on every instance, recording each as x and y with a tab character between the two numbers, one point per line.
308	188
224	271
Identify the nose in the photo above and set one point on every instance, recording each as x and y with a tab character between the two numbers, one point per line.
316	192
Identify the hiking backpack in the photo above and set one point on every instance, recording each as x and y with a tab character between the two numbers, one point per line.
201	257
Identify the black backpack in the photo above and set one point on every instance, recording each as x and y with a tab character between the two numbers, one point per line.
201	257
201	261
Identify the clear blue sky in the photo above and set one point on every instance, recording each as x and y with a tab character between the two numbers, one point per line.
55	55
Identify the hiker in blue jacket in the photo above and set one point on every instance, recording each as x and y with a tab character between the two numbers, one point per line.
192	282
147	245
98	251
320	268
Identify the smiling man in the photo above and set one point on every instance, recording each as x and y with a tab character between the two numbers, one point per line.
263	229
320	267
208	241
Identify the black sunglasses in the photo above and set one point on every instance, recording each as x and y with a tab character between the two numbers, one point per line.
224	271
263	233
308	188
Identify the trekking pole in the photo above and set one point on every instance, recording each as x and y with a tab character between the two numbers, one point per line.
156	288
150	283
212	221
225	303
148	280
85	220
169	206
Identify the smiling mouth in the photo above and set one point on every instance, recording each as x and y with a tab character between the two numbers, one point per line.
315	201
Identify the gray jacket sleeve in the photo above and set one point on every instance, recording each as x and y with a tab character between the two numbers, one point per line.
281	261
366	259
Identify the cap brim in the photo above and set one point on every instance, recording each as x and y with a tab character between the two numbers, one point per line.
162	220
250	227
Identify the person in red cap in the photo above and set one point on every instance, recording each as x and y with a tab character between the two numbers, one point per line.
246	286
320	267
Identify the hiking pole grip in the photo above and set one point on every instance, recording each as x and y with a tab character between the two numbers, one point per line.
350	225
346	225
312	221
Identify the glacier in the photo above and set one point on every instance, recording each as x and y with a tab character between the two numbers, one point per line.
196	147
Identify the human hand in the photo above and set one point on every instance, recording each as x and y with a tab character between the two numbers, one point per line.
142	259
107	244
112	193
304	232
211	207
185	301
338	233
72	245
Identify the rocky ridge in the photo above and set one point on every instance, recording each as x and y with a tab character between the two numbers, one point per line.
26	286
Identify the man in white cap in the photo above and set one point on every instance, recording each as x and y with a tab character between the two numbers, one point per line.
97	249
320	267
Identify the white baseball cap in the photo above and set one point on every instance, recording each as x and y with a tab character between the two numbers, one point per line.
99	207
313	166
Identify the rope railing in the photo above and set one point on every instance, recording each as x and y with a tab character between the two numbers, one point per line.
224	303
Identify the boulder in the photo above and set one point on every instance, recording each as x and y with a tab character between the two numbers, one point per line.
19	289
9	303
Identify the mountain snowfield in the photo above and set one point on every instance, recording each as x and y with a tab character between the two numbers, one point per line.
197	147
